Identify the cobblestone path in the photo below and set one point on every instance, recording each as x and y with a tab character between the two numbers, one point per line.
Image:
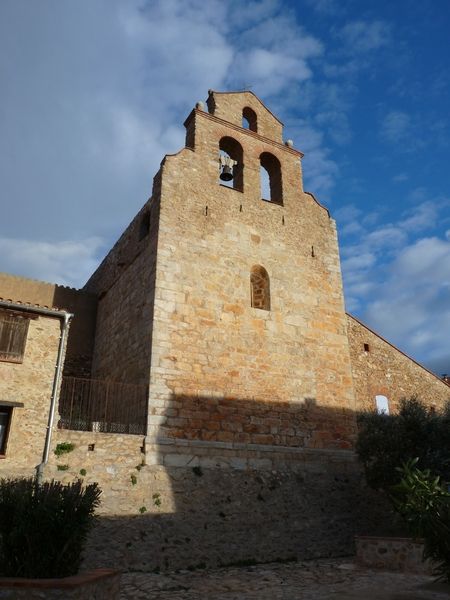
311	580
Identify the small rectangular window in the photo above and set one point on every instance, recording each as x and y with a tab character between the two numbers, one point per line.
13	336
382	404
5	420
366	348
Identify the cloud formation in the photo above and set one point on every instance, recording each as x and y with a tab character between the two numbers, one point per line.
365	36
52	262
89	108
400	285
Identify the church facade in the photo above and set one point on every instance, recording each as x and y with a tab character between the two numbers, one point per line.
211	378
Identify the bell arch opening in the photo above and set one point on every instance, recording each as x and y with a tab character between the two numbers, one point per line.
249	119
270	178
231	163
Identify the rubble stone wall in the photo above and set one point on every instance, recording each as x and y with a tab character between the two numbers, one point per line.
381	369
29	383
80	303
192	504
124	284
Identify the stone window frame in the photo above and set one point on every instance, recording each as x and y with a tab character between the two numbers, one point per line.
259	288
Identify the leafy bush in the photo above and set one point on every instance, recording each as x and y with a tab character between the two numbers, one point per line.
43	526
424	504
63	448
387	441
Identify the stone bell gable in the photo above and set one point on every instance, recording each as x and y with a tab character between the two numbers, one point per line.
248	292
212	377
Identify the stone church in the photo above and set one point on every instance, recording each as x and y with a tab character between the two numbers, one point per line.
207	375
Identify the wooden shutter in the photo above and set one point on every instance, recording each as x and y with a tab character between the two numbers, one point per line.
13	336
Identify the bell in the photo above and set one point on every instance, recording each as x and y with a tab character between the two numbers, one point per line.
227	173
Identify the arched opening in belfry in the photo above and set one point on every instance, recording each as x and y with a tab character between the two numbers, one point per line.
249	119
231	164
260	288
270	178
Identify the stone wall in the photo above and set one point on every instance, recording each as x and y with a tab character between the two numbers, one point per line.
29	383
228	106
193	506
382	369
208	341
248	421
83	306
124	284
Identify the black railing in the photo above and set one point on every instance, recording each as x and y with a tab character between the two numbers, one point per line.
102	406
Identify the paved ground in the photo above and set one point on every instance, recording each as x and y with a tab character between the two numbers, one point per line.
311	580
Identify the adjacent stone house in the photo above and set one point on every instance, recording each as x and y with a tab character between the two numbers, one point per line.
212	376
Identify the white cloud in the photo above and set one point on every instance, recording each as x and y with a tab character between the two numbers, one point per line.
89	108
396	127
272	55
401	286
326	7
359	261
365	36
319	170
412	307
424	217
347	213
400	178
67	262
385	238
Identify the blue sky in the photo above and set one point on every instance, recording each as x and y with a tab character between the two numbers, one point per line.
94	93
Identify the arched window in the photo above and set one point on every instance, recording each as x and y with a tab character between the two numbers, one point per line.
229	147
260	288
270	175
249	119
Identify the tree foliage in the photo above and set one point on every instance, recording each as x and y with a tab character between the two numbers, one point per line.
43	526
424	503
387	441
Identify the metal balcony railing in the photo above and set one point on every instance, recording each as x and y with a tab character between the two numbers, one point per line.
102	406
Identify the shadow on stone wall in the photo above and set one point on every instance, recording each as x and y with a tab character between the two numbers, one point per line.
211	502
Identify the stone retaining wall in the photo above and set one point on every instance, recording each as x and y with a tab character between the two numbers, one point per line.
196	503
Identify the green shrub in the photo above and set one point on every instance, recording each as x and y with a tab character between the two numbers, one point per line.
424	504
64	448
387	441
43	526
